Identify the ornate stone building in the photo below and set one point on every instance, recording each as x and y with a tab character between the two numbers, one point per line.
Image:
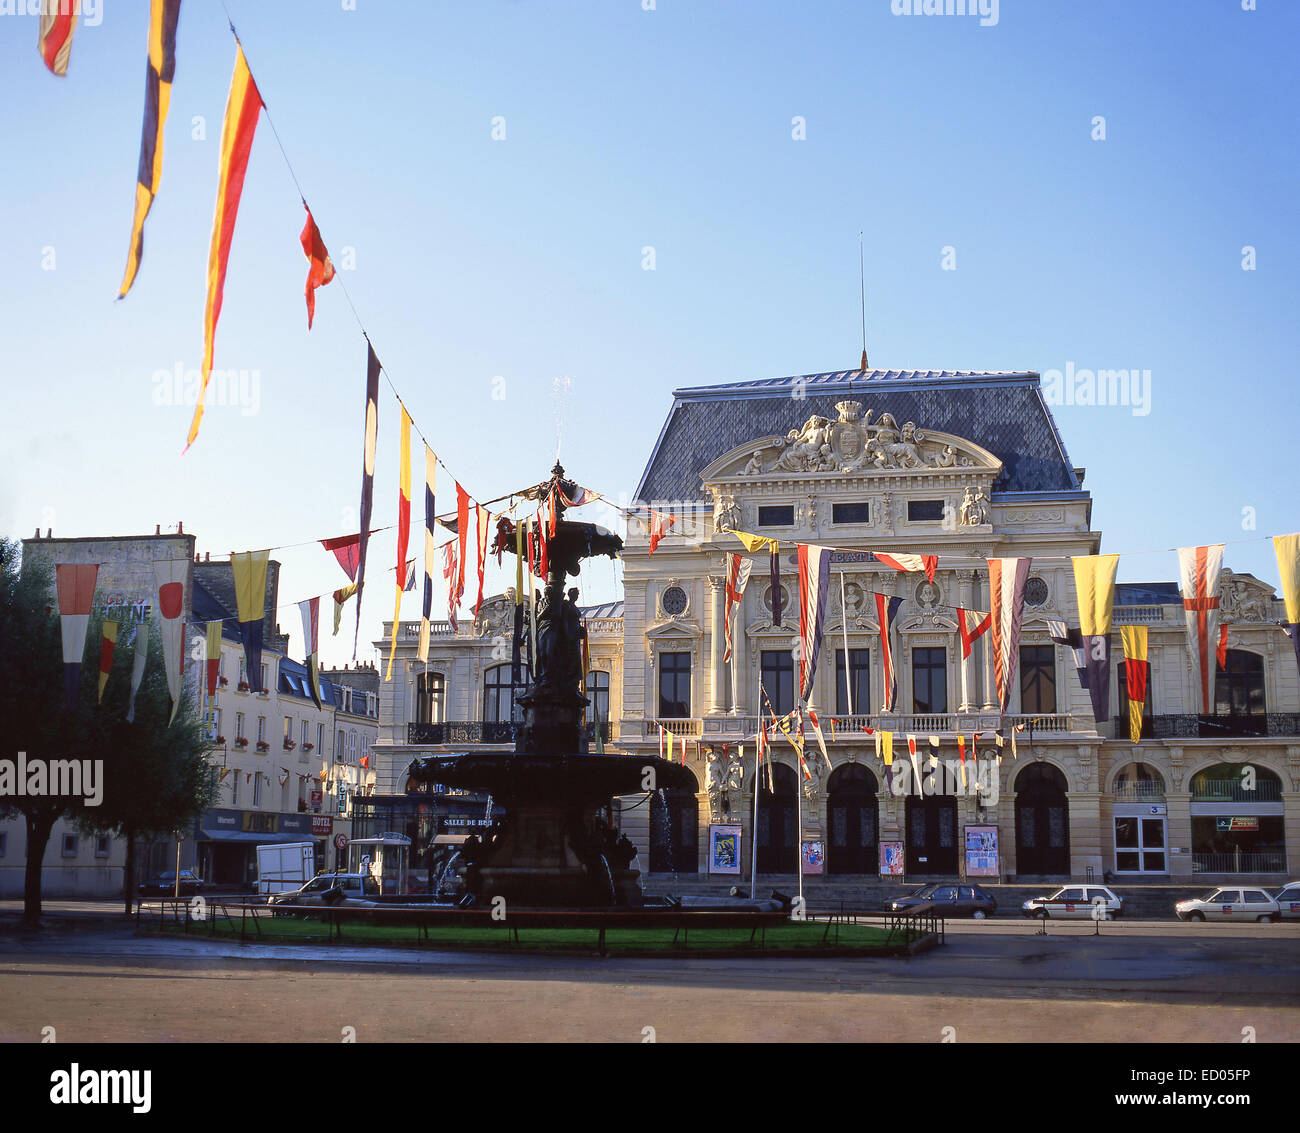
967	465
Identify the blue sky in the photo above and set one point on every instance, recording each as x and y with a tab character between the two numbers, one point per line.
626	128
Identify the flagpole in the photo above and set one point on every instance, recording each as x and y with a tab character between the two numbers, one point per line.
844	610
753	867
798	849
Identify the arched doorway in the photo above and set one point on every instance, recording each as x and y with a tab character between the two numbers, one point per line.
851	815
674	831
777	831
1042	821
931	824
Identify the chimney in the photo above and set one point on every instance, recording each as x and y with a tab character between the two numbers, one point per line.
38	534
180	529
49	532
207	556
157	529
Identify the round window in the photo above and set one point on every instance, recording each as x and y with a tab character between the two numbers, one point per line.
674	601
1035	592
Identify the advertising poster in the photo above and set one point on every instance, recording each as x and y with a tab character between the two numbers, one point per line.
813	858
724	849
891	859
981	851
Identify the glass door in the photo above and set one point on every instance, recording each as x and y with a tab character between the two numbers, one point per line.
1140	845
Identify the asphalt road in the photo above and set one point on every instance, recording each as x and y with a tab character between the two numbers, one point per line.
996	981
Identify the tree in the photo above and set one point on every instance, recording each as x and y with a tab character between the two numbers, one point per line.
152	773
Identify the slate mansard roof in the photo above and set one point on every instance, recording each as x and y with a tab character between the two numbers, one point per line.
1004	411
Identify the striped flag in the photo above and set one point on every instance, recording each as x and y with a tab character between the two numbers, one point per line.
1199	569
75	588
1007	579
1287	550
403	531
367	477
738	571
1135	675
242	109
657	526
54	38
971	633
158	73
170	576
462	536
249	569
310	611
814	582
1094	585
821	739
1072	639
483	524
212	655
107	644
341	596
906	563
886	612
449	573
430	552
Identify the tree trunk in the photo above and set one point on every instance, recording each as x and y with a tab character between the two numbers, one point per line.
128	870
39	824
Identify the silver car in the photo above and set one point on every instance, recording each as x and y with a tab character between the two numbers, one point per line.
1288	901
1229	903
1076	902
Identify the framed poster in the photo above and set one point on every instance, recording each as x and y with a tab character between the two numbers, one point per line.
891	859
981	851
724	849
812	858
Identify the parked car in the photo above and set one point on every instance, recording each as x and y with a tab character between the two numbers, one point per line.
1229	903
948	901
313	893
1078	902
1288	901
164	885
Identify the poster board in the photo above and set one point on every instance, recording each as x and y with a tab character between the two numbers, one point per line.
812	858
981	844
724	849
891	859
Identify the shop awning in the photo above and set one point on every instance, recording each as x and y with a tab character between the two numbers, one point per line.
206	835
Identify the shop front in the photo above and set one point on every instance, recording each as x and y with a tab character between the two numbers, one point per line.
226	842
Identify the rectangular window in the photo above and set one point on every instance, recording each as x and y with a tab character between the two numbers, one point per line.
261	729
1038	678
776	672
674	685
69	845
4	843
859	681
239	725
320	740
306	733
924	511
103	843
257	789
235	776
929	680
265	686
776	516
851	513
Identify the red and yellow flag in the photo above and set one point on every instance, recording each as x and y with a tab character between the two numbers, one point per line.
1135	676
107	644
242	109
54	39
403	531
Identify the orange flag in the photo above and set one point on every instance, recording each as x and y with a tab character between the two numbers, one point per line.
320	268
242	109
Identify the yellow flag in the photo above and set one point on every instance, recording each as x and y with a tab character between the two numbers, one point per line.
1287	549
887	747
1094	584
756	542
1135	675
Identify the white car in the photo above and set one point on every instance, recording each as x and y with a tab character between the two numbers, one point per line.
1288	901
1229	903
1078	902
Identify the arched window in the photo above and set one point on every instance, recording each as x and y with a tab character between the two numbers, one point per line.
597	690
430	698
1239	685
498	694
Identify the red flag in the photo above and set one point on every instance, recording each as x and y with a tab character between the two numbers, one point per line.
905	563
484	521
658	525
347	549
462	535
54	39
449	573
320	269
1221	650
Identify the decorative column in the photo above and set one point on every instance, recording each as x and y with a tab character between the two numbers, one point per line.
717	671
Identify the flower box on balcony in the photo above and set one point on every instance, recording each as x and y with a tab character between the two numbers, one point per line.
241	741
263	746
220	740
242	686
309	746
223	681
289	745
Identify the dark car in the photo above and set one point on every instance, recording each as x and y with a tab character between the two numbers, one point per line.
948	900
164	885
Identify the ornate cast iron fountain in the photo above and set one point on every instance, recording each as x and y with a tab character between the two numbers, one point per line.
555	846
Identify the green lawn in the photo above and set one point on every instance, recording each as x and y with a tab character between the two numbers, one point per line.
809	936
